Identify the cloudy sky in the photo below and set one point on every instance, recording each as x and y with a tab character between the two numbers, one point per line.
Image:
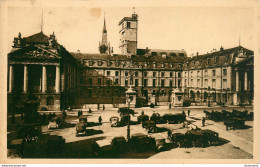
194	29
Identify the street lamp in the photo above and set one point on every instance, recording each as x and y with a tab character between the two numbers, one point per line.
128	99
209	97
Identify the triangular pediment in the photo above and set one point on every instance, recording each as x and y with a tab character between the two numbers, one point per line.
34	52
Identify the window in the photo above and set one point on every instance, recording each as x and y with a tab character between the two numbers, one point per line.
154	92
206	73
154	53
180	66
89	92
181	54
224	83
162	93
136	74
170	83
185	83
126	73
99	63
108	73
170	74
173	54
145	64
117	63
206	83
145	82
117	73
136	82
225	72
128	25
162	74
116	81
171	65
154	74
145	74
99	81
163	65
126	82
198	73
164	55
191	82
213	83
179	74
198	82
154	65
90	63
108	82
109	63
154	82
162	82
191	74
213	72
90	81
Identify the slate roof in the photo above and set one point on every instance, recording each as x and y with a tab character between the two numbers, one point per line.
39	38
218	58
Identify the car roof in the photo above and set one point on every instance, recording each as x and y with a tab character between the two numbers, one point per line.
196	132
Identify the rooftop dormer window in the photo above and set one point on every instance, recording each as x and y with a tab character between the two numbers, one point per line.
173	54
117	63
154	65
171	65
145	64
154	53
99	63
109	63
90	63
128	25
164	55
162	65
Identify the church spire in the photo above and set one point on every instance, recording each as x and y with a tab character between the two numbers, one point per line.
104	47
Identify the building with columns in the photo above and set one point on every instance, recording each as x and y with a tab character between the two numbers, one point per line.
224	77
40	68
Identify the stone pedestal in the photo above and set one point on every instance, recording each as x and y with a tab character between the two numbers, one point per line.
177	98
130	97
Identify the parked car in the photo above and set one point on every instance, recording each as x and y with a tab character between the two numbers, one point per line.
235	123
81	129
150	126
142	118
212	137
179	139
141	142
83	119
196	138
119	144
55	122
174	118
125	110
55	144
114	121
159	142
156	118
102	148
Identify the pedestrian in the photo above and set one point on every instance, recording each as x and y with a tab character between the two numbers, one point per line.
103	106
169	134
100	119
89	110
188	112
170	106
203	121
183	112
226	126
142	113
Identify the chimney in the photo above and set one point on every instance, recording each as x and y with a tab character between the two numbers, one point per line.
197	53
221	48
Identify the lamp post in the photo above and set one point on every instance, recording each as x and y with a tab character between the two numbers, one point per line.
128	125
209	97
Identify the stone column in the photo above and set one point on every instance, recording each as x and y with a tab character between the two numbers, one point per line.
237	81
43	78
11	78
245	85
62	82
25	79
57	79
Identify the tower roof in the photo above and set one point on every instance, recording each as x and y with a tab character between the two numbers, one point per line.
104	27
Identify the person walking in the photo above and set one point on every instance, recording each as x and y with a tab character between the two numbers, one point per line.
203	122
100	119
188	112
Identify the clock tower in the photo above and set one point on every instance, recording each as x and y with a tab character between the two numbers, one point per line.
128	35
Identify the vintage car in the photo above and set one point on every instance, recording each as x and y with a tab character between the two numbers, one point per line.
212	137
119	144
156	118
235	123
55	122
81	129
141	142
125	119
125	110
174	118
83	119
159	142
55	144
179	139
102	148
150	126
142	118
199	138
114	121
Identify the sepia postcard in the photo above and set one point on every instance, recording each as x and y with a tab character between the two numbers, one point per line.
106	82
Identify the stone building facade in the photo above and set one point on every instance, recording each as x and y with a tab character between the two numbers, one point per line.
223	77
40	69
